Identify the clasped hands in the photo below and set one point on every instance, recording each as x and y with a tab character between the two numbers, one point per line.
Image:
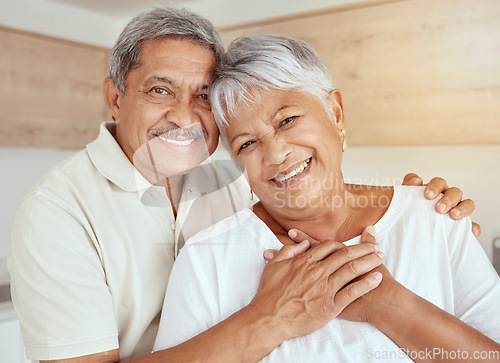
306	285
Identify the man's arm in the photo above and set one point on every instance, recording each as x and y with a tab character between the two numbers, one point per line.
297	295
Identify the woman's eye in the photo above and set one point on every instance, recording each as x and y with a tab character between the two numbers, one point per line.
204	97
245	145
287	120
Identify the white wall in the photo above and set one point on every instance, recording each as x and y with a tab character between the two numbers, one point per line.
60	21
475	169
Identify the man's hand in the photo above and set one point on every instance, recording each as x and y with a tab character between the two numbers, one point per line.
451	201
305	292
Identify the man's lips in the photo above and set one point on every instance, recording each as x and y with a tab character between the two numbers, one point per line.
292	171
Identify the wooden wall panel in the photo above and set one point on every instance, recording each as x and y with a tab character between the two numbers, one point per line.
50	91
411	72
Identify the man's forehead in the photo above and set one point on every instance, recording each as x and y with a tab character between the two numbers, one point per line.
186	65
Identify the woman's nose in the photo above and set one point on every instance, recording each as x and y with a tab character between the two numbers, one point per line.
276	150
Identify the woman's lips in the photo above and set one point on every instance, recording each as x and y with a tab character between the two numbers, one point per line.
292	176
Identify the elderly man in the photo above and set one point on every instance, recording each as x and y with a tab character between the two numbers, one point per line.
95	240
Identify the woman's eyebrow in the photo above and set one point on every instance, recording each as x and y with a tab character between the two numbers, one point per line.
279	110
239	135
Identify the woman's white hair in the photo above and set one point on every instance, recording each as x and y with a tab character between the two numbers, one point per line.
266	61
159	23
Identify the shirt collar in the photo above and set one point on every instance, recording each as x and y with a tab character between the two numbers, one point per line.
108	157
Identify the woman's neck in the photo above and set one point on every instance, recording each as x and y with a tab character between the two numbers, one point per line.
357	206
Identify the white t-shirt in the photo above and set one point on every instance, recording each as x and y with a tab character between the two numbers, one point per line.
93	244
218	272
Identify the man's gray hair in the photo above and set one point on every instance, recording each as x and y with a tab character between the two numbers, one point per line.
159	23
266	61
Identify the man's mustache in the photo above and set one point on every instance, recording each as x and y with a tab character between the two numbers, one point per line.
186	132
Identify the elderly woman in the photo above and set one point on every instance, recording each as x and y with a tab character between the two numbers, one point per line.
284	122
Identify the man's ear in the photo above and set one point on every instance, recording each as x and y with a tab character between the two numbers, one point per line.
112	97
337	109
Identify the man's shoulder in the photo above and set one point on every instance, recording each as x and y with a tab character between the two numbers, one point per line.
73	173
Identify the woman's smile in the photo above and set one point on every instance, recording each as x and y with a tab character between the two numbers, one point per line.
293	174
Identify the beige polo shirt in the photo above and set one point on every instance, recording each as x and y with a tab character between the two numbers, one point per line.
93	244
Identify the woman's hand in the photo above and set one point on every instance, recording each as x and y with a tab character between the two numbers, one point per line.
413	323
451	201
368	305
305	292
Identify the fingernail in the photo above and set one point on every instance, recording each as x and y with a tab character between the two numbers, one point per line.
455	213
441	207
377	247
268	255
377	276
292	233
371	230
430	193
380	254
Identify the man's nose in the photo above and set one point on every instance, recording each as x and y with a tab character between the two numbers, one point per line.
276	149
182	113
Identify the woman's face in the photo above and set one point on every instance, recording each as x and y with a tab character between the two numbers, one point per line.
290	147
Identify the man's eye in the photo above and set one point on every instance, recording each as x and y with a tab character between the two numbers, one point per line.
287	120
159	91
203	96
245	145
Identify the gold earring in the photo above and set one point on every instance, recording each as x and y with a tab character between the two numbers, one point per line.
251	194
344	141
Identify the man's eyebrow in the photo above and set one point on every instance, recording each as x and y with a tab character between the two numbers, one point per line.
159	79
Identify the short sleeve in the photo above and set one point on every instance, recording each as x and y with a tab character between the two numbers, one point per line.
476	284
58	283
191	303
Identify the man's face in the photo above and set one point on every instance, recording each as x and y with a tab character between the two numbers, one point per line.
164	122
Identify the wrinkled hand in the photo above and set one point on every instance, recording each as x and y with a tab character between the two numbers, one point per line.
304	290
451	202
367	306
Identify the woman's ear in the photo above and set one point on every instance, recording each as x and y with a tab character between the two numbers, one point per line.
112	96
337	109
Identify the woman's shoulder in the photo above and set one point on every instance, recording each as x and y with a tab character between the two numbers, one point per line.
240	229
412	199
